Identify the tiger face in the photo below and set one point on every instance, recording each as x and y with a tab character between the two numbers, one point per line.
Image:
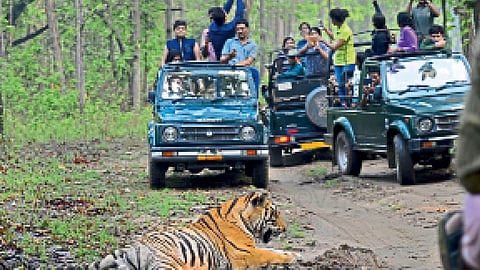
262	218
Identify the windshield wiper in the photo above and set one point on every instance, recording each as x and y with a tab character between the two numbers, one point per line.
454	83
412	87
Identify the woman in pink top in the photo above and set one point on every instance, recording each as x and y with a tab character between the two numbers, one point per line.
408	41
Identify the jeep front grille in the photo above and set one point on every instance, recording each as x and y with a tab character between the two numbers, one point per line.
448	122
209	133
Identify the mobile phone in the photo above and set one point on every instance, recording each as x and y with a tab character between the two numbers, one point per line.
320	23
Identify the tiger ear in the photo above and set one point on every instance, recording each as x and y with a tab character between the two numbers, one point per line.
259	199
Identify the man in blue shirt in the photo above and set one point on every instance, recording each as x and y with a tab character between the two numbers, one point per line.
240	50
219	31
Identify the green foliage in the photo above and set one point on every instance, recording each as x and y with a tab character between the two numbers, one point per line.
36	109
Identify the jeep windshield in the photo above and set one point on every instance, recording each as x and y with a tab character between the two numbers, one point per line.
431	74
206	85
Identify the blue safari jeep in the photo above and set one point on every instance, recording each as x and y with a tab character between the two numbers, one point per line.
206	115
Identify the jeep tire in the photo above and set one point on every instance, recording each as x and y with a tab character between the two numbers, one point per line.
348	160
403	162
260	177
157	172
276	159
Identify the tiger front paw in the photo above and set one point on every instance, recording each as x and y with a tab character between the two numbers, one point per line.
292	256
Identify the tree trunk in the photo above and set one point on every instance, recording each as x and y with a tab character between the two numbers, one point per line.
57	49
2	34
182	12
279	23
168	19
79	52
248	8
292	22
136	72
10	22
263	37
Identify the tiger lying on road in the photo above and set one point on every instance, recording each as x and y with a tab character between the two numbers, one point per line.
222	238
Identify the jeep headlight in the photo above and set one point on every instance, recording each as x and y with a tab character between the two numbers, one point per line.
170	134
247	133
424	125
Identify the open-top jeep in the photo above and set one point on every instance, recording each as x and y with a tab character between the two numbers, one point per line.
206	116
296	114
411	116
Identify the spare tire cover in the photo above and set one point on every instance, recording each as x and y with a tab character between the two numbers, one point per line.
316	106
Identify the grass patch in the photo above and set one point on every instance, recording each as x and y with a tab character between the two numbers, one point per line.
317	172
53	203
295	230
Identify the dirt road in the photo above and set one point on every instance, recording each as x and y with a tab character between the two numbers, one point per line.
395	224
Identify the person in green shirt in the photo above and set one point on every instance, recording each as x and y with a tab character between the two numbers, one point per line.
296	68
344	58
436	40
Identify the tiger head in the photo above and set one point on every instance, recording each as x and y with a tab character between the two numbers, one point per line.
262	218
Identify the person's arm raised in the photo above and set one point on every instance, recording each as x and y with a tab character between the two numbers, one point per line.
228	6
409	6
433	8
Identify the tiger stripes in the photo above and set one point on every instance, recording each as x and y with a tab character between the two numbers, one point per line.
222	238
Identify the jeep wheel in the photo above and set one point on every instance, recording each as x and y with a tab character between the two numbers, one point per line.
260	173
157	172
403	162
348	160
276	159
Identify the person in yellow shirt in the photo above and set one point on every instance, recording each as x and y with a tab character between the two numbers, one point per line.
344	58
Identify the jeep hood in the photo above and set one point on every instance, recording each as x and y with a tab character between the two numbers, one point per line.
431	104
209	113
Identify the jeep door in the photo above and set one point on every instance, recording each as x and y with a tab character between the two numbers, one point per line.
371	125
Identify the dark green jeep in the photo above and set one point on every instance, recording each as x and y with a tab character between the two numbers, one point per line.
296	115
206	115
410	115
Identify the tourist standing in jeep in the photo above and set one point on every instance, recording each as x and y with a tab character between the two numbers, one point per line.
344	58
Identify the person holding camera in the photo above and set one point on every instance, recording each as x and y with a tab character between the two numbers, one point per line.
316	54
423	14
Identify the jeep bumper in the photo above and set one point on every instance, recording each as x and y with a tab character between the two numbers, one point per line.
434	144
209	153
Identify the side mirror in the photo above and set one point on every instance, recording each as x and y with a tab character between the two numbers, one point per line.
151	97
377	93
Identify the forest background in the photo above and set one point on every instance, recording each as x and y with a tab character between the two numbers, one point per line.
81	69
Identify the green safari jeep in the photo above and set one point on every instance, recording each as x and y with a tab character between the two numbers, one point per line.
410	117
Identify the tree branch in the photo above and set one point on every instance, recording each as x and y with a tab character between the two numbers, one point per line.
29	36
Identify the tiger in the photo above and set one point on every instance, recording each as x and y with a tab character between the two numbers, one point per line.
222	238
